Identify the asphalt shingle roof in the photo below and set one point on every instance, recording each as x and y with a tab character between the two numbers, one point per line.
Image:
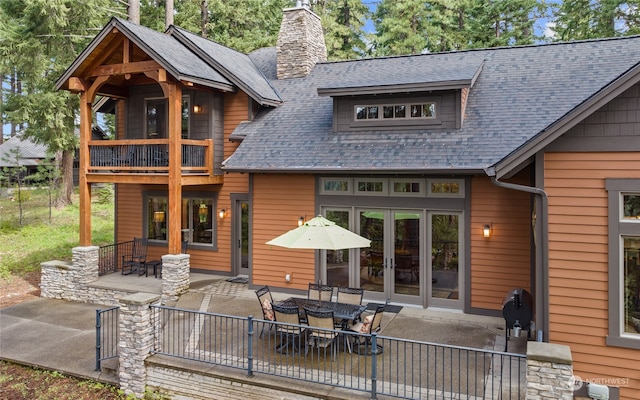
30	152
519	93
173	55
237	66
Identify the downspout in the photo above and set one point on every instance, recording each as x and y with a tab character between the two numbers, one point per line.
541	294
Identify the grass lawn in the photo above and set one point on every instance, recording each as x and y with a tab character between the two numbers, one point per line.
47	233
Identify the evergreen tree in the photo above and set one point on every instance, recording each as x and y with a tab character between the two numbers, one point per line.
502	23
343	22
40	39
590	19
245	25
400	27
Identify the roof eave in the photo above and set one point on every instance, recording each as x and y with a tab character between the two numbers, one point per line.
403	88
568	121
344	171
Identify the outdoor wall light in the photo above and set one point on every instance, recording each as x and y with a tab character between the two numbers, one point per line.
486	230
222	213
197	108
300	221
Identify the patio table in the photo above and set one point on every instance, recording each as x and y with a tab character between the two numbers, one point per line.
341	311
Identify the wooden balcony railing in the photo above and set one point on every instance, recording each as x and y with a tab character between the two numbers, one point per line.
149	156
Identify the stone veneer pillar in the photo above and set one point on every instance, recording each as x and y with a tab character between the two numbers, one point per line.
175	276
136	340
549	371
61	280
300	43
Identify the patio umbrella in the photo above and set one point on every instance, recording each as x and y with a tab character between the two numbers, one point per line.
321	234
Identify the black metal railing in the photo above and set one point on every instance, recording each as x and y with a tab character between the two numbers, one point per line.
110	256
107	335
369	363
148	156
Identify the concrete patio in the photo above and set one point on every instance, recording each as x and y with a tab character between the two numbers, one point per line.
60	335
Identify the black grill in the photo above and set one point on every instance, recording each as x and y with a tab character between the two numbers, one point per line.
517	310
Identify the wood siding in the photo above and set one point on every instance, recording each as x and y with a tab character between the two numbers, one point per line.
273	214
129	198
578	262
503	261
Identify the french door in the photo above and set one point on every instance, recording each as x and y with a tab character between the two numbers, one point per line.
414	258
391	267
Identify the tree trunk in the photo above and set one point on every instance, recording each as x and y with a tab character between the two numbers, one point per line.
168	14
204	16
66	187
134	11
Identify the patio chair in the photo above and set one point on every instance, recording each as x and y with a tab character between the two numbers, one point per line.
266	302
349	295
369	324
326	335
289	329
137	259
319	292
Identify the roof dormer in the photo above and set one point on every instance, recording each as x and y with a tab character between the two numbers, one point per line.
415	98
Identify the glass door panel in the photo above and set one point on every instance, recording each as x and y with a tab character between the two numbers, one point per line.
406	253
337	264
372	260
445	251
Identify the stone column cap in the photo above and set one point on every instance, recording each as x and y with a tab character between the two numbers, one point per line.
549	352
140	298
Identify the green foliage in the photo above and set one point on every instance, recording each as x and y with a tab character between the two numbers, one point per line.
245	25
343	22
39	240
104	195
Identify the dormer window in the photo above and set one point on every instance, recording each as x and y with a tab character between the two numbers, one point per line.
410	111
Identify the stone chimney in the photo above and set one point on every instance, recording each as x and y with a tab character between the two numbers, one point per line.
300	42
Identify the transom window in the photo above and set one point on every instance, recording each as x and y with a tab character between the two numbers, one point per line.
375	112
399	187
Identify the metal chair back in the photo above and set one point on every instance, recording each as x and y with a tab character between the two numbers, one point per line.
138	257
349	295
287	315
319	292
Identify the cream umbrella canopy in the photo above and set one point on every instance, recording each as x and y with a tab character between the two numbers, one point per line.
321	234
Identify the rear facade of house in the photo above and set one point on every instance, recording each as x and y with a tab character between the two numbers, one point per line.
472	173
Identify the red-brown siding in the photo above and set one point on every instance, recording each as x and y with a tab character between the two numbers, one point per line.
578	263
273	215
502	262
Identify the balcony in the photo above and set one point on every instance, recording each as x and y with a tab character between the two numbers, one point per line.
147	161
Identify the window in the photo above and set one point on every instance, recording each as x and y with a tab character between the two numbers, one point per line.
335	186
197	218
396	187
404	187
156	118
371	187
395	111
624	262
446	188
186	112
